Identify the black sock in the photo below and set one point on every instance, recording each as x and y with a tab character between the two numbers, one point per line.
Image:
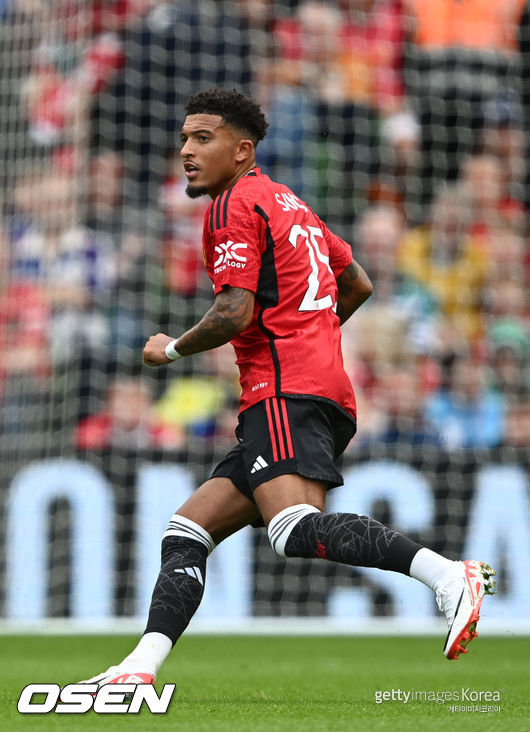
351	539
179	587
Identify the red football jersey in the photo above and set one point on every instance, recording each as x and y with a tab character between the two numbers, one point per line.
259	236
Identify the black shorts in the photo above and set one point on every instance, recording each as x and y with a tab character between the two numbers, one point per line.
287	435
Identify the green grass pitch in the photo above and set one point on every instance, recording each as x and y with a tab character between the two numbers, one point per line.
264	684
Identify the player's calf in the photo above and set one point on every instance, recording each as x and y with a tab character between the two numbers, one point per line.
348	538
177	594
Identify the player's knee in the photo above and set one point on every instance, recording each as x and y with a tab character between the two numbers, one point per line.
281	526
188	530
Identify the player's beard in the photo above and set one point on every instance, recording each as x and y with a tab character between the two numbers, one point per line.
196	191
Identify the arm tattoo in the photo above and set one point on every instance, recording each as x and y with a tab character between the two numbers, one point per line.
354	288
230	314
344	283
345	280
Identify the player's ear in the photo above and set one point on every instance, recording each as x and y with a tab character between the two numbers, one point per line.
244	151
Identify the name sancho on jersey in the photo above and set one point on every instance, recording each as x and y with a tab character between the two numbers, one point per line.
229	255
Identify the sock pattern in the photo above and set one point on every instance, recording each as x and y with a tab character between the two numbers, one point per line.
281	525
179	588
188	529
352	539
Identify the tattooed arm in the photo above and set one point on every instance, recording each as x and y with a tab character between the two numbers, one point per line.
230	314
354	288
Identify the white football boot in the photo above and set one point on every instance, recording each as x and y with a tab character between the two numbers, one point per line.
460	599
116	675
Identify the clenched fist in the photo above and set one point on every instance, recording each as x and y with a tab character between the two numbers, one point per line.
154	350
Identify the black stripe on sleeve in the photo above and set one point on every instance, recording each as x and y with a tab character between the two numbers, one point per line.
211	217
261	213
218	212
225	206
267	293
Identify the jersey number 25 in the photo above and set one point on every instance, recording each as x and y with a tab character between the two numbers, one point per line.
310	300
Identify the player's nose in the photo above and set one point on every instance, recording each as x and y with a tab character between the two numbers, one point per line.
185	149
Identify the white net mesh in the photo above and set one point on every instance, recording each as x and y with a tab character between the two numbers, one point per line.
405	128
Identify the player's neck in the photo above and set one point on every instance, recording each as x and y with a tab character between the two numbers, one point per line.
240	173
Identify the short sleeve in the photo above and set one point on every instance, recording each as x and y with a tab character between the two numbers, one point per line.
236	245
340	252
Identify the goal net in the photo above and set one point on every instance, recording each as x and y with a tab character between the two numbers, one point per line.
404	127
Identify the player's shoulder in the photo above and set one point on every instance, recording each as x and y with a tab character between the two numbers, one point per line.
254	194
273	198
237	202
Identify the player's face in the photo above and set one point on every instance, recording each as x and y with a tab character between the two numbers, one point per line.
210	154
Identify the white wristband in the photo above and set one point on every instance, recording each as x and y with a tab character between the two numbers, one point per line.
171	351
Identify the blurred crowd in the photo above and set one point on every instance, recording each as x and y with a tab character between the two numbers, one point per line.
403	122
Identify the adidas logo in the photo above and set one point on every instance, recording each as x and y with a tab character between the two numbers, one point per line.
259	464
194	572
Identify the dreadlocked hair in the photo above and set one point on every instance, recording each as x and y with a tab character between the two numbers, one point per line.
235	108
